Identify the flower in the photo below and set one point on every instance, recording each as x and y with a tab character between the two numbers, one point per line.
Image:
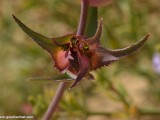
156	62
78	55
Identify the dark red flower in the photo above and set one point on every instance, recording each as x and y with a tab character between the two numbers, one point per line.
78	55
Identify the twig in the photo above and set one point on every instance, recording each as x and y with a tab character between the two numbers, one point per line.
108	114
52	107
149	112
61	88
83	17
126	103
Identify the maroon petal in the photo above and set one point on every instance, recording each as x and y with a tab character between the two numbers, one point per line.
94	42
128	50
96	37
103	56
84	64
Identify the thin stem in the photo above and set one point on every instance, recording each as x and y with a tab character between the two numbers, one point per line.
91	22
141	112
108	114
61	88
83	17
150	112
52	107
119	94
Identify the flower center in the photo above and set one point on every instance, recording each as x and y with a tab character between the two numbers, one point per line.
74	41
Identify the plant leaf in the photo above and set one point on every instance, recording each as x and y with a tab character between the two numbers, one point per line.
61	78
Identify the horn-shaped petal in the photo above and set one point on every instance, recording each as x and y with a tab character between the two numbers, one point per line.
43	41
128	50
61	62
94	42
98	33
104	57
96	37
84	63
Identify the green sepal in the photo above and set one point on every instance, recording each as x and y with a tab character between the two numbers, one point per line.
61	78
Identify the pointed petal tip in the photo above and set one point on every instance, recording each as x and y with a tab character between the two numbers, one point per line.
14	17
73	85
145	38
101	22
148	35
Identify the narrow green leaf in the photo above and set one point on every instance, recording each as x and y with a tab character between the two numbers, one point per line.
61	78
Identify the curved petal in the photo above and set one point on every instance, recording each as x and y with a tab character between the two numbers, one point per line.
58	55
128	50
96	37
104	57
84	63
43	41
94	42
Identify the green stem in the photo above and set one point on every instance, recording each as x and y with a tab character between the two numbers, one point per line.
122	98
83	17
108	114
144	112
91	22
54	103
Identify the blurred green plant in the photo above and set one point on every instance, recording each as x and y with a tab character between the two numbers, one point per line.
118	32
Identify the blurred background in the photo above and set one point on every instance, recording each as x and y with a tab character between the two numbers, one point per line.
127	89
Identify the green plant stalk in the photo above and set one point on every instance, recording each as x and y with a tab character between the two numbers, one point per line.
108	114
144	112
83	17
141	112
61	88
91	22
122	98
52	107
